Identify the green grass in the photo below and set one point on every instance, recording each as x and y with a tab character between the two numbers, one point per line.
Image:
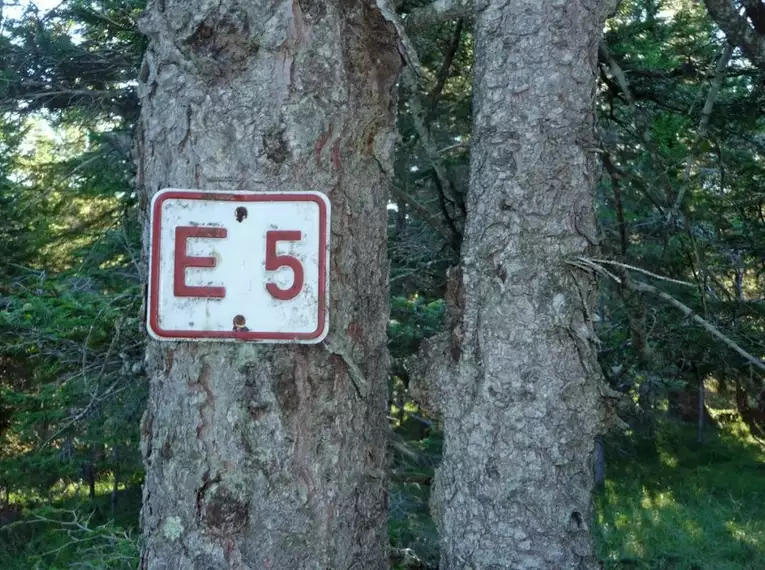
672	503
668	503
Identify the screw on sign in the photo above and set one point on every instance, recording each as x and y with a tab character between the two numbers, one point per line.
242	266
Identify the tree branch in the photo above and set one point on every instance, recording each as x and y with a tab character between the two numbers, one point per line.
616	177
427	216
585	263
706	112
405	46
737	30
616	71
443	73
437	12
418	118
690	313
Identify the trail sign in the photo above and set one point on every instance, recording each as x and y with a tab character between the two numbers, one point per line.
246	266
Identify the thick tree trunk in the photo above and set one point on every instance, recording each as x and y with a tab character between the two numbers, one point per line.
520	399
263	456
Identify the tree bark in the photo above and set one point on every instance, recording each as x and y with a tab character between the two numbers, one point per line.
265	456
520	399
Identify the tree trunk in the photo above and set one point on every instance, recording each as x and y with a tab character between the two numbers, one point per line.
116	483
702	410
266	456
520	400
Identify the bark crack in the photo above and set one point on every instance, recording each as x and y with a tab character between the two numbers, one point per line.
354	373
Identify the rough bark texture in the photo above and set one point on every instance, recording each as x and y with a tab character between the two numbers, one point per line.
258	456
520	400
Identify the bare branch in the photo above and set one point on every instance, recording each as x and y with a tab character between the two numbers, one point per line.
616	71
706	112
737	30
426	215
446	67
584	262
634	268
688	312
409	78
419	269
418	118
587	264
405	46
616	176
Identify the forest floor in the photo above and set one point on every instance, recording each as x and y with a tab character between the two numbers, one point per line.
671	503
668	502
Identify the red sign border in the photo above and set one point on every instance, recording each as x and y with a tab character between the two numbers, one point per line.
156	231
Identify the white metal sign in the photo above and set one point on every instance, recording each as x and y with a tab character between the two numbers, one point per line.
247	266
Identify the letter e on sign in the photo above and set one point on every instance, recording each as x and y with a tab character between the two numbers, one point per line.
182	261
239	266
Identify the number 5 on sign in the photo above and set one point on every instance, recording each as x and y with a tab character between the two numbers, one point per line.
274	262
239	266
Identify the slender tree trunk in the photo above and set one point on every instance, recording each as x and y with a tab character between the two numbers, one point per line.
600	462
520	399
701	411
116	483
264	456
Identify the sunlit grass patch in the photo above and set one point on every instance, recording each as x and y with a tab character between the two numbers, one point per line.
672	503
